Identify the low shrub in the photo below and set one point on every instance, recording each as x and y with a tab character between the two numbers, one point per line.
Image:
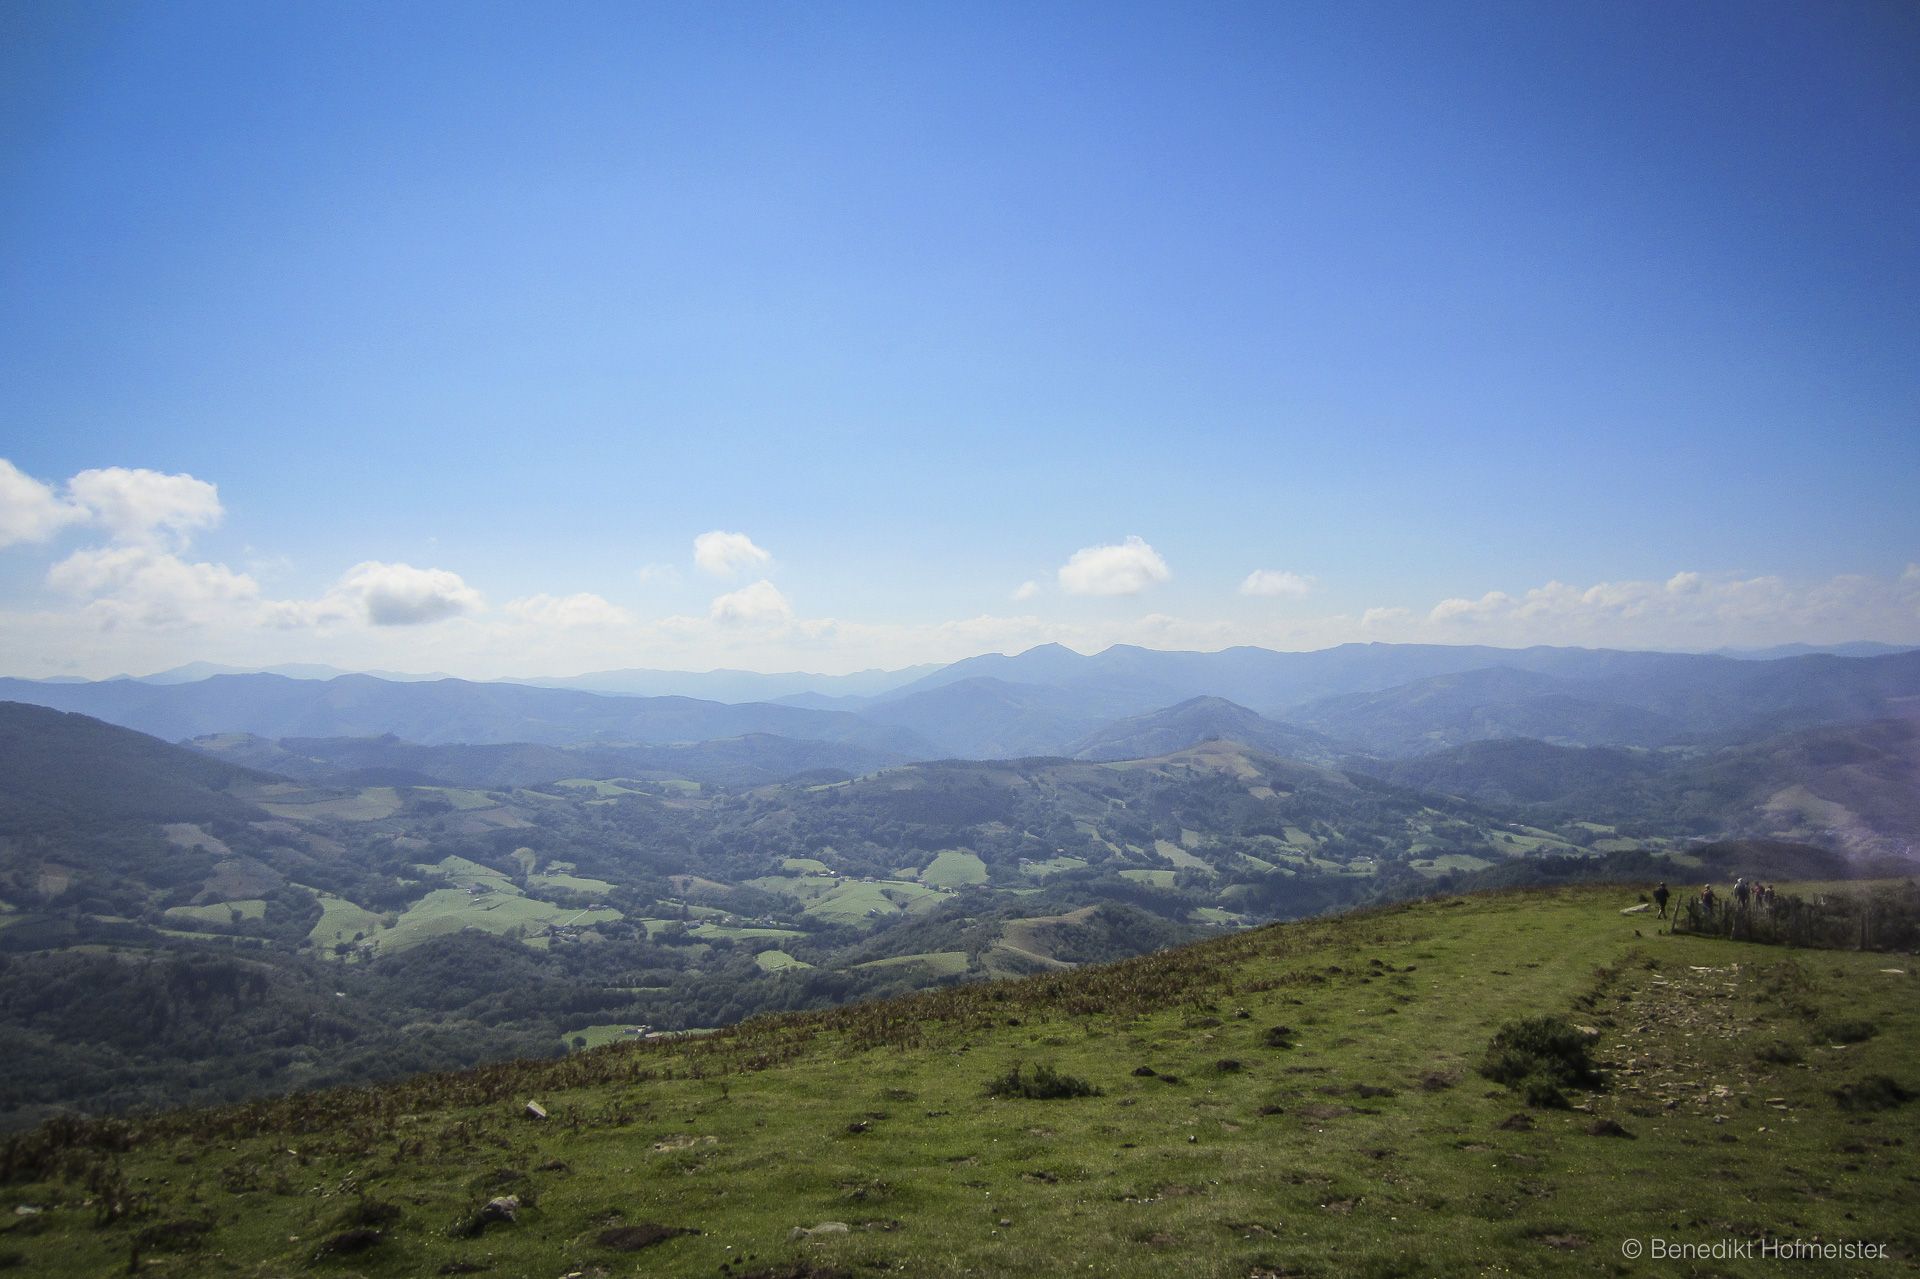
1875	1092
1540	1057
1043	1083
1847	1032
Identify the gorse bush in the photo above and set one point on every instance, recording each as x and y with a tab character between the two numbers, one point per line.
1044	1083
1875	1092
1850	1031
1540	1056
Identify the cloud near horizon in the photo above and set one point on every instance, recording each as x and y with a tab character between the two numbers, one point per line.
569	611
158	611
135	598
402	595
147	586
1124	569
757	605
1689	609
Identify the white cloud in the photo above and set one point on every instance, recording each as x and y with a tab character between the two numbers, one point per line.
402	595
1026	591
29	510
1689	610
136	505
1273	581
725	554
1126	569
663	574
144	585
569	611
1381	618
758	604
1464	610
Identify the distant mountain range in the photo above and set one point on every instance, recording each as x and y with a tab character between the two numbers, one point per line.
446	711
1392	701
1047	664
715	685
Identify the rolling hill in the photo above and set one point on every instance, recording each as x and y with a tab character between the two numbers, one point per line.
60	770
754	759
1850	787
1202	719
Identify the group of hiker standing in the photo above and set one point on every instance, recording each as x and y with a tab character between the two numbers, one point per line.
1745	893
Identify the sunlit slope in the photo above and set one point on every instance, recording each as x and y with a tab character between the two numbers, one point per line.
1368	1145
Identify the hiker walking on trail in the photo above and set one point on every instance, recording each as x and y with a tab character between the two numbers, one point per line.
1706	897
1740	893
1660	898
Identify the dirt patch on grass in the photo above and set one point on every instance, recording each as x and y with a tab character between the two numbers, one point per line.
645	1234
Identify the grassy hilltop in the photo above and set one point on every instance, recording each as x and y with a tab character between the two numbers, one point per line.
1301	1099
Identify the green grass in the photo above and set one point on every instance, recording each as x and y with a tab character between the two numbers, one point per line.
183	934
462	798
368	805
448	910
570	883
1365	1146
851	901
954	868
462	872
1180	858
1155	878
804	864
217	913
598	1036
802	888
605	790
1053	866
1449	861
709	932
340	919
776	961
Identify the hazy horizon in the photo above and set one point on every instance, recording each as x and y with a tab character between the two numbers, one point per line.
333	671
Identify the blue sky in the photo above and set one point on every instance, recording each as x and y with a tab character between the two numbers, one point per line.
1511	323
